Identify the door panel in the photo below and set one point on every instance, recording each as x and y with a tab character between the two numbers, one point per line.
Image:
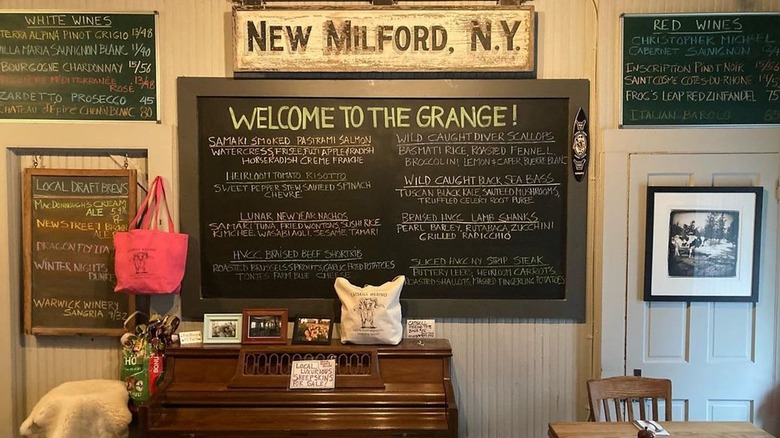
719	355
668	323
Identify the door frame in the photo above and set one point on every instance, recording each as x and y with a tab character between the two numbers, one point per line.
619	145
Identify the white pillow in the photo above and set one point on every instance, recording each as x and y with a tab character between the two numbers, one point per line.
370	314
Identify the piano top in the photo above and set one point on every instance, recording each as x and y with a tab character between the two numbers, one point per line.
434	346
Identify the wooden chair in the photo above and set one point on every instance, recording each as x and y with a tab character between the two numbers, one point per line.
619	397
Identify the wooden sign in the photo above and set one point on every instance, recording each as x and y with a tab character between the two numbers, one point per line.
78	66
384	39
70	217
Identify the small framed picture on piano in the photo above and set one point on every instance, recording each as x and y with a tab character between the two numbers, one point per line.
264	326
222	328
312	330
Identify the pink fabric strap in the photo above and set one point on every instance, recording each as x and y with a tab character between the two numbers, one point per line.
150	211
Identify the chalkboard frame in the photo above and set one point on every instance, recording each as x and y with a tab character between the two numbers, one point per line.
29	174
576	91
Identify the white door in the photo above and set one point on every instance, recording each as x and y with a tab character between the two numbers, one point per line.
719	355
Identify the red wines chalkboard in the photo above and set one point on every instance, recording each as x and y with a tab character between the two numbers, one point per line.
70	217
701	69
465	188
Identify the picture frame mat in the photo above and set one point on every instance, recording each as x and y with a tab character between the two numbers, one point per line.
211	318
659	285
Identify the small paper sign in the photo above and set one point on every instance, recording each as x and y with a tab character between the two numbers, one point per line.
421	328
313	374
190	338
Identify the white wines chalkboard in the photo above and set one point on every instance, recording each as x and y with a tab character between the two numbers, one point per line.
464	187
78	66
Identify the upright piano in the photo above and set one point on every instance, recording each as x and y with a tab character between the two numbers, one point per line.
243	391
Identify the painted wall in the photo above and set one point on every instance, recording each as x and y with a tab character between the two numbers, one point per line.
512	376
632	341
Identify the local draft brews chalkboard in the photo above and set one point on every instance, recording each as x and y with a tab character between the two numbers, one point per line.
70	217
464	187
78	66
701	69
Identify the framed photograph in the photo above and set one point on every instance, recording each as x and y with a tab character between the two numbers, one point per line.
264	326
222	328
312	330
703	243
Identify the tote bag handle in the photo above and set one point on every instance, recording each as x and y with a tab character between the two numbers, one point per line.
151	208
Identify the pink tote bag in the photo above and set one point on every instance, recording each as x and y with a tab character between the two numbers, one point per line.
149	260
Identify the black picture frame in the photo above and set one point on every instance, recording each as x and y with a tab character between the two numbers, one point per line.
703	243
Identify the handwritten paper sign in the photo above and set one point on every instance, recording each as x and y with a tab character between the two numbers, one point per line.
313	374
193	337
421	328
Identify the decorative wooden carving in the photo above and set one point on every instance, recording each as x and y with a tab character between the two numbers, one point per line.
259	367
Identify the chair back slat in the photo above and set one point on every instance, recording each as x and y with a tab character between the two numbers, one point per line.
615	397
625	409
607	410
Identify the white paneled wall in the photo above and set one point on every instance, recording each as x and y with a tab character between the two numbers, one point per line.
48	361
511	376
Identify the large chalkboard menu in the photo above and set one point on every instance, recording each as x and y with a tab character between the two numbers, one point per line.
465	187
70	217
78	66
701	69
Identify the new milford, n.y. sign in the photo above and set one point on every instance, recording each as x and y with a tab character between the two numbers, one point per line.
384	39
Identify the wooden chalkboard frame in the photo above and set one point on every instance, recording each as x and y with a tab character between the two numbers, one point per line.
35	327
576	91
